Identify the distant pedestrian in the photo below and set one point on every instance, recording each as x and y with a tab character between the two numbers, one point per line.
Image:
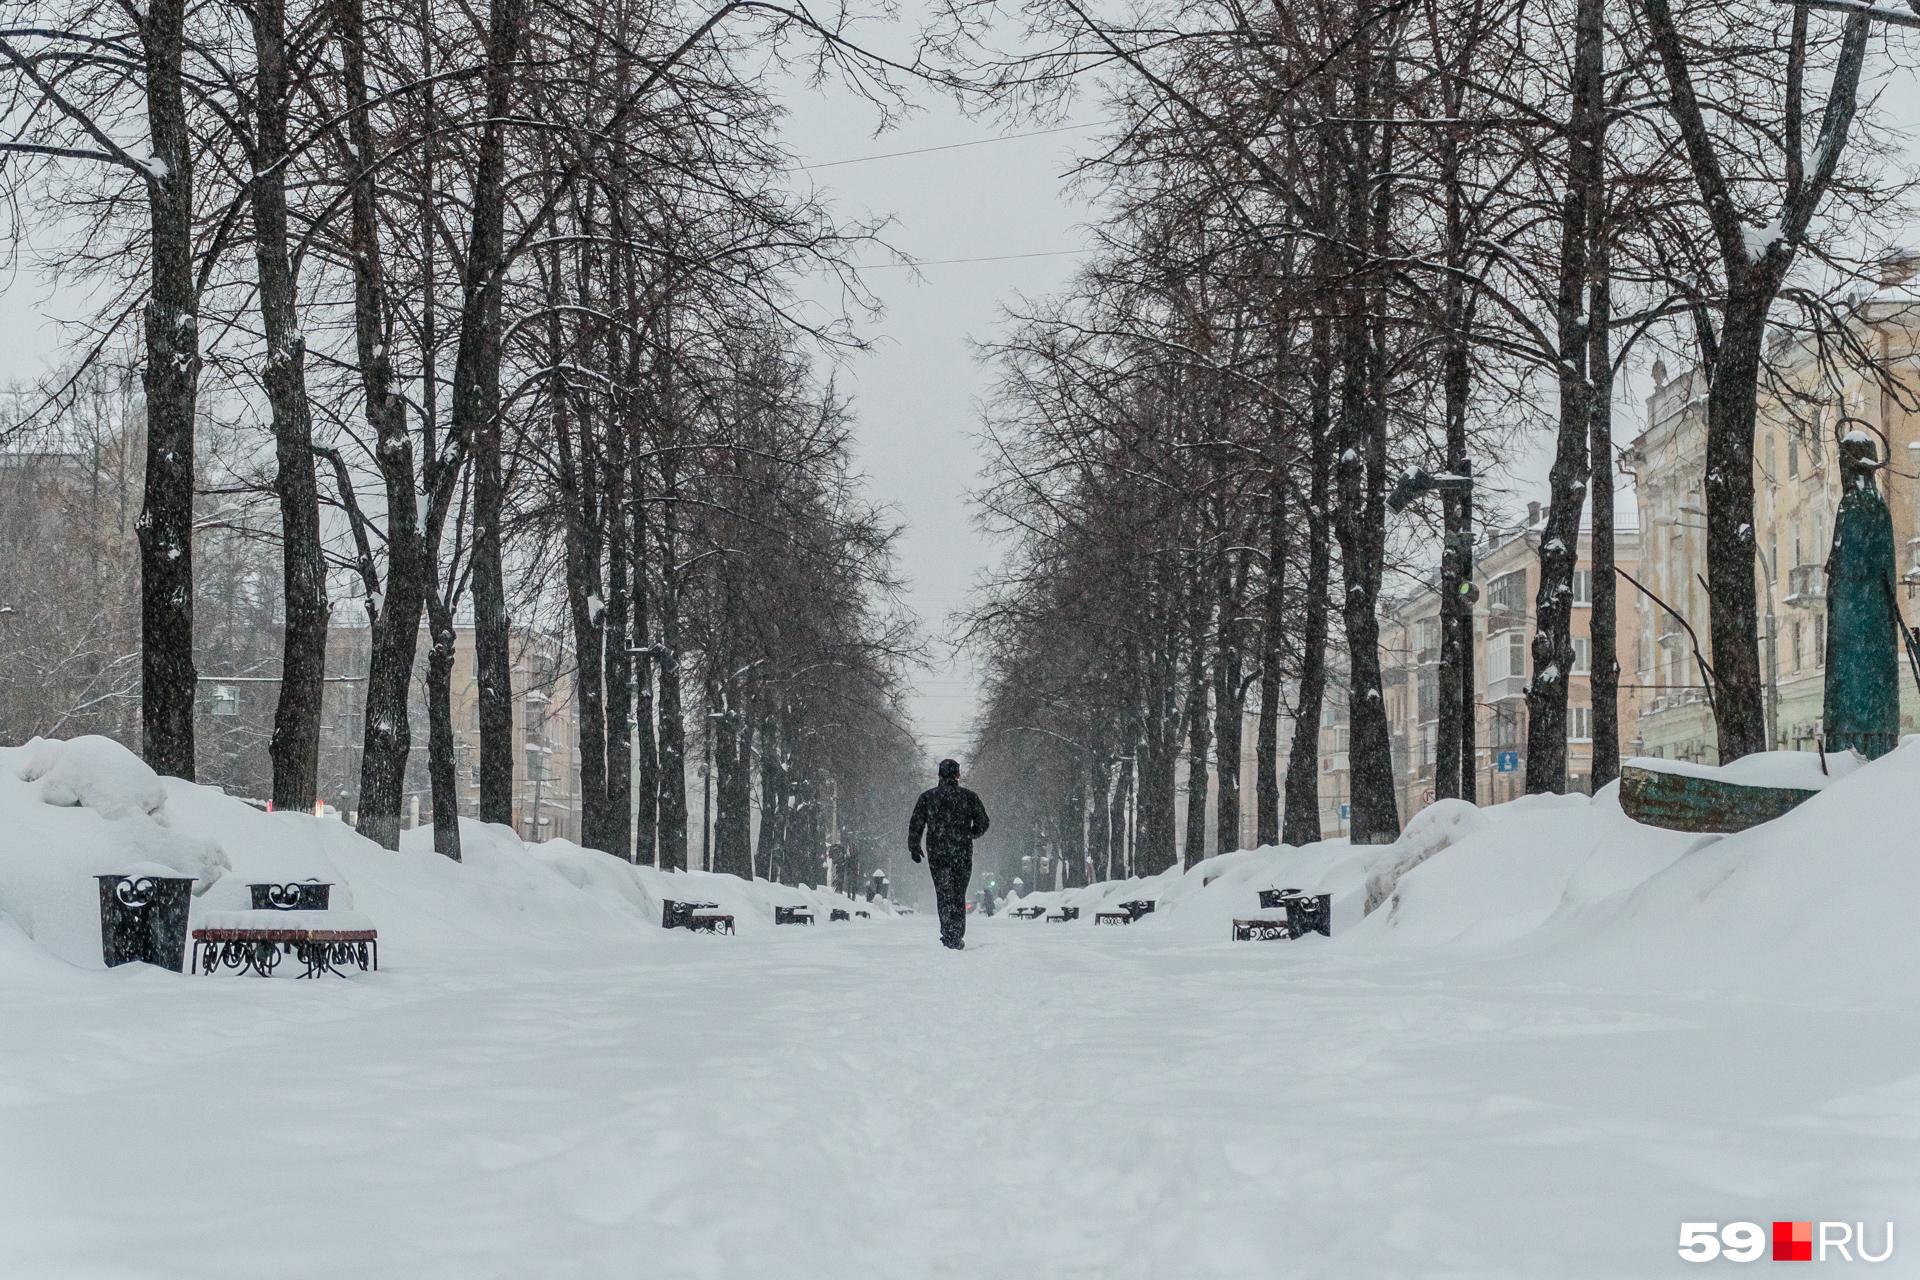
951	818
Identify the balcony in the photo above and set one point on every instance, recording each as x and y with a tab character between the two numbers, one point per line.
1505	688
1806	584
1505	619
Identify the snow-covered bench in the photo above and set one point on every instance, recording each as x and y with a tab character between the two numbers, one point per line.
1138	907
323	941
679	915
840	913
1027	913
710	922
793	915
1305	913
1261	929
1113	917
1065	914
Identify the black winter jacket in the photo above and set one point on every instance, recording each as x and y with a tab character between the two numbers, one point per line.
951	817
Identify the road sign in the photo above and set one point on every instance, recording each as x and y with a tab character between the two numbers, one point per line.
1507	762
1346	811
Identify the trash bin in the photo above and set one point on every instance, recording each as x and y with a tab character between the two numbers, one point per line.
309	895
144	918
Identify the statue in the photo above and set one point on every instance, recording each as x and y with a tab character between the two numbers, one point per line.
1864	630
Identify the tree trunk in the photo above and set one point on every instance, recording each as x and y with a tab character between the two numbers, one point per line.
1099	820
1302	824
442	767
476	417
1266	799
673	729
295	747
171	378
1227	710
647	768
732	732
580	510
1567	480
386	736
1603	615
1119	849
1198	725
618	662
1732	600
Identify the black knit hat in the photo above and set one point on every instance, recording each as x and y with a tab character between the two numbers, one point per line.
949	769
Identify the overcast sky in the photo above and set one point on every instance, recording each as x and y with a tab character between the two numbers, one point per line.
917	394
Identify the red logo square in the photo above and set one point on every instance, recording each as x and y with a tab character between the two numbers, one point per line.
1793	1242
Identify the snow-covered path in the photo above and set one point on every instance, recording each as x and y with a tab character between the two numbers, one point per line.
851	1101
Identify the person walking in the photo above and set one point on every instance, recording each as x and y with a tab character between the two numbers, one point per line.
951	818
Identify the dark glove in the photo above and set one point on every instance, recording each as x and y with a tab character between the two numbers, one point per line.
916	854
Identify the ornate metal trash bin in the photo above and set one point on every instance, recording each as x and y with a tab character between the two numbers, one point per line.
1309	913
300	895
144	918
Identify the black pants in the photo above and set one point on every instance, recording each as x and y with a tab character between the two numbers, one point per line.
951	871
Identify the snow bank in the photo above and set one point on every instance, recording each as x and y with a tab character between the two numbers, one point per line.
73	810
1567	887
1817	903
70	811
1800	770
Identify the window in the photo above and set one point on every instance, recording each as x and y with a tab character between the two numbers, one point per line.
1771	473
1820	639
1517	654
1583	586
1793	453
1508	593
1579	724
226	700
1582	655
1504	732
1794	654
1429	681
1426	640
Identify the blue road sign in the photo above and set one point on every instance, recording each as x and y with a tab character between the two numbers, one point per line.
1507	762
1346	811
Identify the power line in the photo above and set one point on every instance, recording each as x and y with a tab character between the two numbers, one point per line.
949	262
950	146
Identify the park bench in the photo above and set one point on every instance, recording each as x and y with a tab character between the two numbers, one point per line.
1138	907
864	915
286	920
705	922
1305	913
1065	914
793	915
1259	929
839	914
679	915
1027	913
1113	917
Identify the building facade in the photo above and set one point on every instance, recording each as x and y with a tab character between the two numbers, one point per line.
1802	413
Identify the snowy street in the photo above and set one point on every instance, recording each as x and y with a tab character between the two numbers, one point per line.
853	1101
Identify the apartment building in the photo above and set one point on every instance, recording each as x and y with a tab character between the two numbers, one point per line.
1507	572
546	753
